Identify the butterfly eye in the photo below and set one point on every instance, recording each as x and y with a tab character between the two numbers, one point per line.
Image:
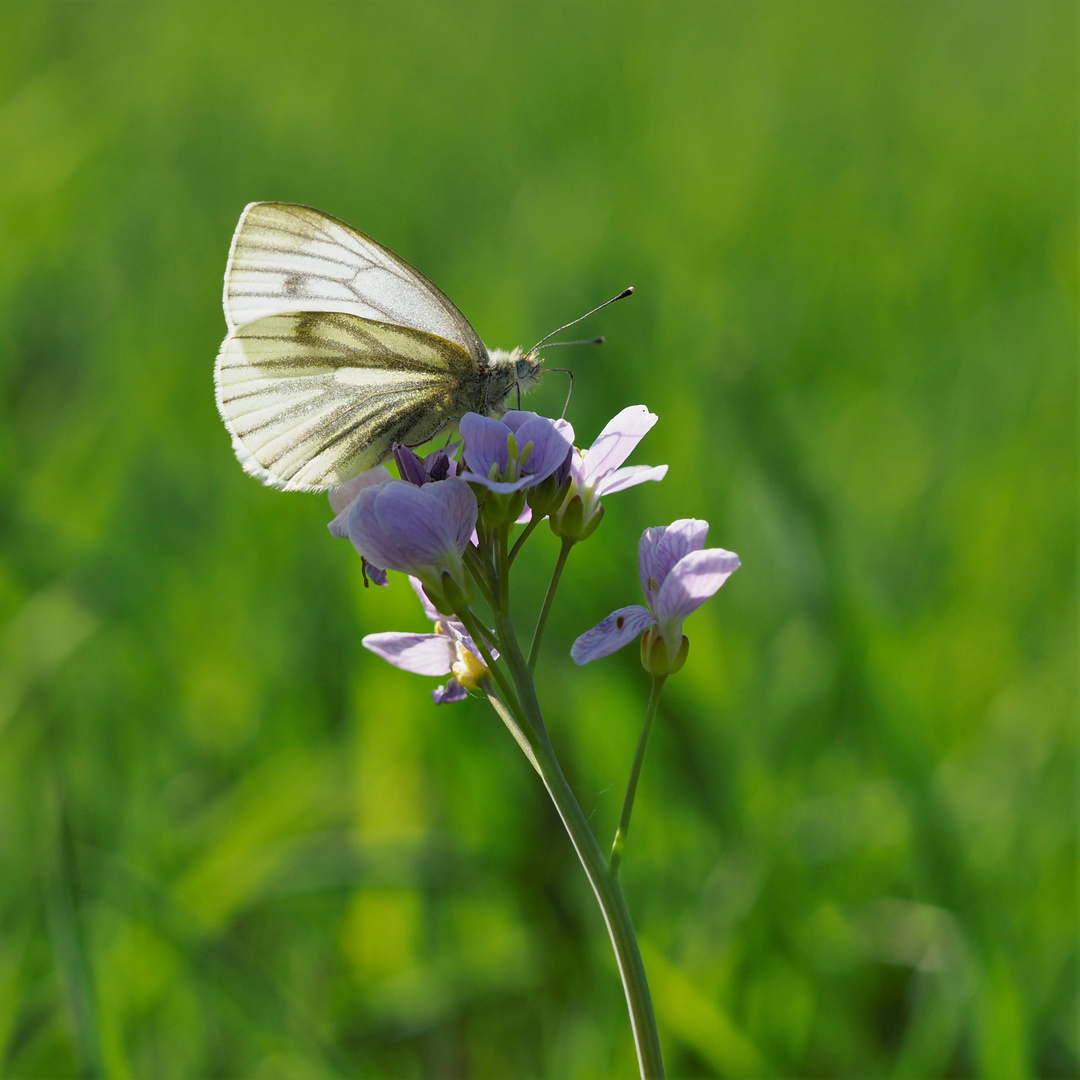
522	368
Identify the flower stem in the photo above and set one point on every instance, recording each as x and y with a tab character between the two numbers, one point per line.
605	886
513	726
525	534
474	561
541	622
635	772
502	571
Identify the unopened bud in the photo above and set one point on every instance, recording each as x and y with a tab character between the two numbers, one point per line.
547	496
570	520
656	659
500	509
447	593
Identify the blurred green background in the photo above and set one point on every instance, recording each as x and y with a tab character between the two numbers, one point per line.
234	844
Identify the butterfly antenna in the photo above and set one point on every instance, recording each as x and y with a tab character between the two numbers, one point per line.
584	341
573	322
570	392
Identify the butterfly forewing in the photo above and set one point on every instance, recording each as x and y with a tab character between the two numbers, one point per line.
286	257
312	398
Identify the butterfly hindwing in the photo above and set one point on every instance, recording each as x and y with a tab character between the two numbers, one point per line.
311	398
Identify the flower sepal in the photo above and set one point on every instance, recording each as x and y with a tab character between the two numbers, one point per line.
446	592
570	523
498	508
547	496
656	659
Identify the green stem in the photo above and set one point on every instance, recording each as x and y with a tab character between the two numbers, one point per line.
502	570
525	534
635	772
541	622
474	561
604	885
513	726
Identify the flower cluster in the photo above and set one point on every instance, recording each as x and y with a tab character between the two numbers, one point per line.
437	522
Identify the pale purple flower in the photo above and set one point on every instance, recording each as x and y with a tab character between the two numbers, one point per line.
595	472
421	531
450	650
516	452
678	574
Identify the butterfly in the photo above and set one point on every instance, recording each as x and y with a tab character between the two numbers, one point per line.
337	349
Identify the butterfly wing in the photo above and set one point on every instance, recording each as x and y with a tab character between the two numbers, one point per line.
311	398
286	257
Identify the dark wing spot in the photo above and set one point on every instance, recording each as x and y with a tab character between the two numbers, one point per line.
293	284
620	622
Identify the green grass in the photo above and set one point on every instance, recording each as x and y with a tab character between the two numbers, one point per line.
234	844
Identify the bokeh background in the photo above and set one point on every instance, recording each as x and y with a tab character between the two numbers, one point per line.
234	844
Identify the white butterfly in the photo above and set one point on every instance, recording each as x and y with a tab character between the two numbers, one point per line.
338	348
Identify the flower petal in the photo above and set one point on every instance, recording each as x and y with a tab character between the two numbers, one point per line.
367	535
616	442
422	654
515	418
451	692
662	547
551	441
410	465
502	487
375	574
692	580
342	495
630	477
485	442
617	630
429	608
414	523
459	504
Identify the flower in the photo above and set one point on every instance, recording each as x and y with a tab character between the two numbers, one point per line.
450	650
421	531
678	574
595	472
513	453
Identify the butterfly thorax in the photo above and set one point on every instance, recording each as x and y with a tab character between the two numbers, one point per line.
509	373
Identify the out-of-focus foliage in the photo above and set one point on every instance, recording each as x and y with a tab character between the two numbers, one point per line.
234	844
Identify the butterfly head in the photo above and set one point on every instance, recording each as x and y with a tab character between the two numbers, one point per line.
510	373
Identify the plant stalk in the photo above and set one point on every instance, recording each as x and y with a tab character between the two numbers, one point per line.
541	622
635	772
605	886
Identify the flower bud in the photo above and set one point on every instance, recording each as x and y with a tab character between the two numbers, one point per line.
655	658
547	496
446	593
569	521
500	509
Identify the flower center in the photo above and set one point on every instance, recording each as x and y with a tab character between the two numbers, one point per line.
515	461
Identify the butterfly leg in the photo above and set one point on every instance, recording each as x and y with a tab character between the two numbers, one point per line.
413	446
